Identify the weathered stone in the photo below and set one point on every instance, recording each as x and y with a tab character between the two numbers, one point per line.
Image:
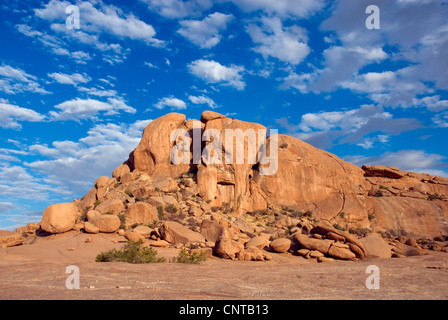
280	245
134	236
91	228
106	223
92	214
159	243
341	253
120	170
114	206
174	232
143	230
211	230
335	237
141	212
59	218
375	246
259	242
10	239
227	248
101	182
314	244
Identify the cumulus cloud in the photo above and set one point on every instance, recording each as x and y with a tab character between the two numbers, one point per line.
11	115
363	126
15	80
72	164
170	102
101	18
178	8
214	72
203	100
72	79
81	109
205	33
283	8
272	39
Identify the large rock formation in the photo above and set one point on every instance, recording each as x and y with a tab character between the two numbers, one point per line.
307	179
220	182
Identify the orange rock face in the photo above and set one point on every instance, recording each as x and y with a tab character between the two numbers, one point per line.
297	176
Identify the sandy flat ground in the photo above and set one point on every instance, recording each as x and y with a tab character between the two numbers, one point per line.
38	271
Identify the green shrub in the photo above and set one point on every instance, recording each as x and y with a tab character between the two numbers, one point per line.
140	199
109	212
435	196
308	214
360	232
337	226
97	203
189	257
171	209
160	212
378	194
132	252
128	192
371	216
342	215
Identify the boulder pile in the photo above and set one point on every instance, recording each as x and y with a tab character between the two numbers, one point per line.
315	205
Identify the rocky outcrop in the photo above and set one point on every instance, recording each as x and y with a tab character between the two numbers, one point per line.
304	201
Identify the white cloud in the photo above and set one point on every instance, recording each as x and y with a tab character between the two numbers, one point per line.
81	109
72	79
55	45
98	92
284	8
205	33
203	100
74	165
441	120
16	80
170	102
355	126
178	8
104	19
214	72
150	65
272	39
5	206
10	115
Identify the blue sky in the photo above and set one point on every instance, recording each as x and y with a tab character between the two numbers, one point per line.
74	102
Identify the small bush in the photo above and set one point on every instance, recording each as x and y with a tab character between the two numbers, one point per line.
371	216
378	194
360	232
435	196
337	226
171	209
143	199
109	212
160	212
97	203
342	215
283	145
308	214
122	217
128	192
189	257
132	252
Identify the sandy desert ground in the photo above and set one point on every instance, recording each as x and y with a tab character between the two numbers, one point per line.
38	271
